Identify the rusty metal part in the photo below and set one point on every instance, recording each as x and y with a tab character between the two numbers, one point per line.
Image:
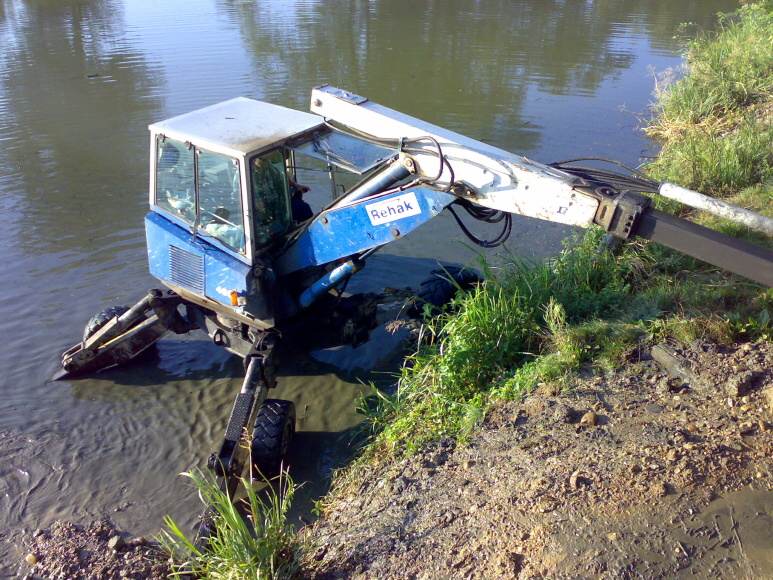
229	462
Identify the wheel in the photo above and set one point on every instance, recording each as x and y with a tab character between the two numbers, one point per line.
274	429
100	319
442	285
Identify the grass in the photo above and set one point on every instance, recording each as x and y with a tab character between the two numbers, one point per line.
262	545
715	123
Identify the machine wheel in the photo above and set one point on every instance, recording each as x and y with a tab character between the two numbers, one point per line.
274	429
438	290
100	319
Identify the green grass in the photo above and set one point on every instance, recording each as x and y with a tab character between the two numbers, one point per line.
263	545
542	323
715	123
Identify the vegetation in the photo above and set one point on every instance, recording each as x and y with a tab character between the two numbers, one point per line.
262	545
715	123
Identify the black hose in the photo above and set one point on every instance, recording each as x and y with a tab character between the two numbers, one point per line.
486	215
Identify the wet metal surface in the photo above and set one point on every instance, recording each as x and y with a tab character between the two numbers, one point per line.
80	82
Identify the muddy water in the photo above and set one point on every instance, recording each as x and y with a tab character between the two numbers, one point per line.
80	81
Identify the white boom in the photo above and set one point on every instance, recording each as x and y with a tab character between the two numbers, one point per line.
499	179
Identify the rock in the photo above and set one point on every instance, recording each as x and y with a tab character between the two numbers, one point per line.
399	485
767	396
612	536
659	489
576	480
738	385
589	419
672	455
115	542
467	464
138	541
563	413
31	559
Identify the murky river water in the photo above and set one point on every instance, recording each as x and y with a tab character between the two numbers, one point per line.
79	83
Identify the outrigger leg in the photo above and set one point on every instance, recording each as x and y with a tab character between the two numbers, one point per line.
125	336
229	463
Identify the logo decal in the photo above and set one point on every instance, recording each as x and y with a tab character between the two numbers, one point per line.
393	209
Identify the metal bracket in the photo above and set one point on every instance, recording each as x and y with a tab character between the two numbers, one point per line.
342	94
620	214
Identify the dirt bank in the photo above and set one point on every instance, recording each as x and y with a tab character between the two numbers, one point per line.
630	474
97	550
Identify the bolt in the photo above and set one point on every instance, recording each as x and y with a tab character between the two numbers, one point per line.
317	103
396	232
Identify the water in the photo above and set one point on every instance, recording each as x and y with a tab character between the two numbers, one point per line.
79	83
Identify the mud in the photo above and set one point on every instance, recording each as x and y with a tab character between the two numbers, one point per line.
632	474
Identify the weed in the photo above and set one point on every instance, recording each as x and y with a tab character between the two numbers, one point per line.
262	545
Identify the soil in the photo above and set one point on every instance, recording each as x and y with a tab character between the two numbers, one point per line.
637	473
97	550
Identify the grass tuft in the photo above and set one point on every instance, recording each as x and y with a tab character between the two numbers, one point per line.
260	545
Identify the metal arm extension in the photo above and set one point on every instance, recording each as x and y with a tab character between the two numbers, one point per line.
234	454
629	214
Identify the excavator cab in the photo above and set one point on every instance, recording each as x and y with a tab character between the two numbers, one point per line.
222	181
220	202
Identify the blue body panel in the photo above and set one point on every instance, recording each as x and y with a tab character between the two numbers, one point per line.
342	232
176	257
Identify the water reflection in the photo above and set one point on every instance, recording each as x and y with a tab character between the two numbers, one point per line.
74	105
482	59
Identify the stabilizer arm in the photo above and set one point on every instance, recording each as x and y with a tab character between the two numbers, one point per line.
126	336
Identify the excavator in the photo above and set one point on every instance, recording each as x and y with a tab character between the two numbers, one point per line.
244	259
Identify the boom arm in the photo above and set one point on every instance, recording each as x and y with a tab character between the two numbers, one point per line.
489	177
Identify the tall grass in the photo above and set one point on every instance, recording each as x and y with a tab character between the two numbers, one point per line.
259	544
490	340
715	123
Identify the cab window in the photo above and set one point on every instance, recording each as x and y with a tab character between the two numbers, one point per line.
220	203
270	199
175	184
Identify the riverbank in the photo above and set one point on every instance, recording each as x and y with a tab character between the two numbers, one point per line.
631	473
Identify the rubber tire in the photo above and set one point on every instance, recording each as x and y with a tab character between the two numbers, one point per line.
101	318
271	437
437	290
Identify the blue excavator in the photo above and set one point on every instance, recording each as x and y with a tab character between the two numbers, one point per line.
242	257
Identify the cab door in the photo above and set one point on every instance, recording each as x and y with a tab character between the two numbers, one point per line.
271	206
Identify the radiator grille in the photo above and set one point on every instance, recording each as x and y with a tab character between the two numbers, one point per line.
186	269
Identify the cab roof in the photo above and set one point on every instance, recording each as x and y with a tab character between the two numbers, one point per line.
237	126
